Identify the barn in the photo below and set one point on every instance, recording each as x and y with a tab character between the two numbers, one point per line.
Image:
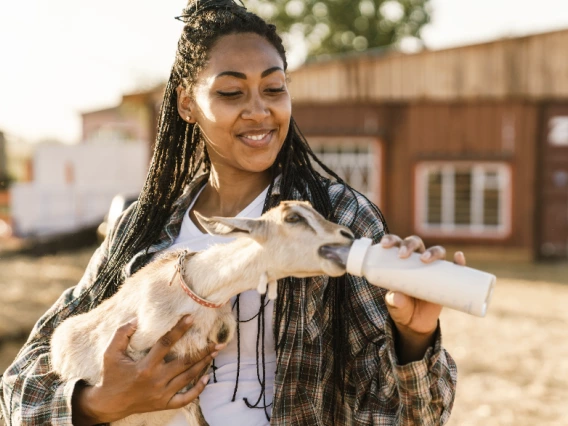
466	147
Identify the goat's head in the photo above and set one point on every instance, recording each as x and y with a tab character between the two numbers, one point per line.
295	234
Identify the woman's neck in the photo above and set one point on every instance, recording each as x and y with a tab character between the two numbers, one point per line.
227	194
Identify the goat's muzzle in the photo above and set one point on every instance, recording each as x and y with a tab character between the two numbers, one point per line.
335	253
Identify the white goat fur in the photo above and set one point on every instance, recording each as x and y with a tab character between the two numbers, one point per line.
283	242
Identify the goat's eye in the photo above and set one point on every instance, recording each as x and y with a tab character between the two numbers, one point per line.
293	218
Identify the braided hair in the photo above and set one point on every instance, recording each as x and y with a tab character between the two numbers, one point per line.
180	153
179	150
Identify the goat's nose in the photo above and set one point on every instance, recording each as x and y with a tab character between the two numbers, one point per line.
347	234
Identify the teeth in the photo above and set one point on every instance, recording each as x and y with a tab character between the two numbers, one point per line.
256	137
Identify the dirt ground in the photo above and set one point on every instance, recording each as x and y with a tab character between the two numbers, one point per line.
513	364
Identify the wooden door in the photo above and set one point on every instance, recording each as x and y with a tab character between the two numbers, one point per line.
552	191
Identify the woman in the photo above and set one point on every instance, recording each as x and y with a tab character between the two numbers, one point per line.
328	351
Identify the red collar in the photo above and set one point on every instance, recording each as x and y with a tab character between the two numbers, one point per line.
180	270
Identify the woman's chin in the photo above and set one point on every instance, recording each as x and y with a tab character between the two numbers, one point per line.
258	163
258	168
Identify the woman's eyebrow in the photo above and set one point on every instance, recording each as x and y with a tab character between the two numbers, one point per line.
243	76
270	71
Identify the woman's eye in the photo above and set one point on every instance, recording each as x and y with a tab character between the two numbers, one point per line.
276	90
229	94
293	218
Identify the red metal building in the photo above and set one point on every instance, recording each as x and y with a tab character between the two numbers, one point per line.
464	146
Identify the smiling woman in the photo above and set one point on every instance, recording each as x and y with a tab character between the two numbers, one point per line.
329	351
242	105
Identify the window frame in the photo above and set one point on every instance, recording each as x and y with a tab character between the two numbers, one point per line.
476	229
373	144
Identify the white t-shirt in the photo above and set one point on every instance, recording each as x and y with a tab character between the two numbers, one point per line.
215	400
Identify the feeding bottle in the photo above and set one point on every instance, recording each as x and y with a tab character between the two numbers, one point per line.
458	287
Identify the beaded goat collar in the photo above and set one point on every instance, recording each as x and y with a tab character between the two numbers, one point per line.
180	271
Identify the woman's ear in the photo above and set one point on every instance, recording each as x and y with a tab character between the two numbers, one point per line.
185	105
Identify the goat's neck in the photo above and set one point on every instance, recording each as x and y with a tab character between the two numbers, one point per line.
225	270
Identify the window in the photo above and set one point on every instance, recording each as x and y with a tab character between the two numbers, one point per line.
355	159
558	131
463	199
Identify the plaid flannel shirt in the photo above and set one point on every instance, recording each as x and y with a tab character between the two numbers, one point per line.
378	391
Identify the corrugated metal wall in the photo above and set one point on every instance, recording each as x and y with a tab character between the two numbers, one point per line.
422	131
484	131
552	174
530	67
479	103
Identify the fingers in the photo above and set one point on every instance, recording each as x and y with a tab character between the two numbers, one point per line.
187	369
411	244
459	258
415	244
391	240
397	300
182	399
406	247
182	364
121	338
433	253
417	315
164	345
208	350
400	307
190	374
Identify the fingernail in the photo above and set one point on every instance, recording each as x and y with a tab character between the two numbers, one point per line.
426	255
188	320
133	322
220	346
214	354
393	299
205	379
402	251
389	298
459	256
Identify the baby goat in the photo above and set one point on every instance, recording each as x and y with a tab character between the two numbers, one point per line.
283	242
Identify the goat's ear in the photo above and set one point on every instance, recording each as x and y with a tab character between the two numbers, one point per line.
232	226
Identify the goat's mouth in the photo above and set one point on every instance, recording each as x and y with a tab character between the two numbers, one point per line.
335	253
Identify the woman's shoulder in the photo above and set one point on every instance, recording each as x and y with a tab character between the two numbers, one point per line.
121	225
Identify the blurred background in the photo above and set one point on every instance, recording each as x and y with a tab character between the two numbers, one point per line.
452	116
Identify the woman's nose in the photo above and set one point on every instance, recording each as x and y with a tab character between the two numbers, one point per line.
256	109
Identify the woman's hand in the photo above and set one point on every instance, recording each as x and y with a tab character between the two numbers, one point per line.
150	384
416	320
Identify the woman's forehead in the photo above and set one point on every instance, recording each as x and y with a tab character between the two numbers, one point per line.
245	53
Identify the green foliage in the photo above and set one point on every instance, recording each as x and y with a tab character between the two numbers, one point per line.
336	26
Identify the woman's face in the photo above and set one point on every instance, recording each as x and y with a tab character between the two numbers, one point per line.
241	103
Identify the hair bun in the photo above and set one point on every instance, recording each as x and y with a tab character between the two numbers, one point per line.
195	7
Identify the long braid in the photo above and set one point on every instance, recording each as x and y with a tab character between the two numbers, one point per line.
298	172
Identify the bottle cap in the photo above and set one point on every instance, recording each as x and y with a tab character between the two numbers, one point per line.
357	256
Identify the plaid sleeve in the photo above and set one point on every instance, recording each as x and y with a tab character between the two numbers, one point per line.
30	392
386	393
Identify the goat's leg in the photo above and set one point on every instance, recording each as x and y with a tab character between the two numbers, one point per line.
155	418
272	290
193	414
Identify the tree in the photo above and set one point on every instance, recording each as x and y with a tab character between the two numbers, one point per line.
336	26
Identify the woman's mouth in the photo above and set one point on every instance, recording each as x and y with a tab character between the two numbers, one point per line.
257	139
